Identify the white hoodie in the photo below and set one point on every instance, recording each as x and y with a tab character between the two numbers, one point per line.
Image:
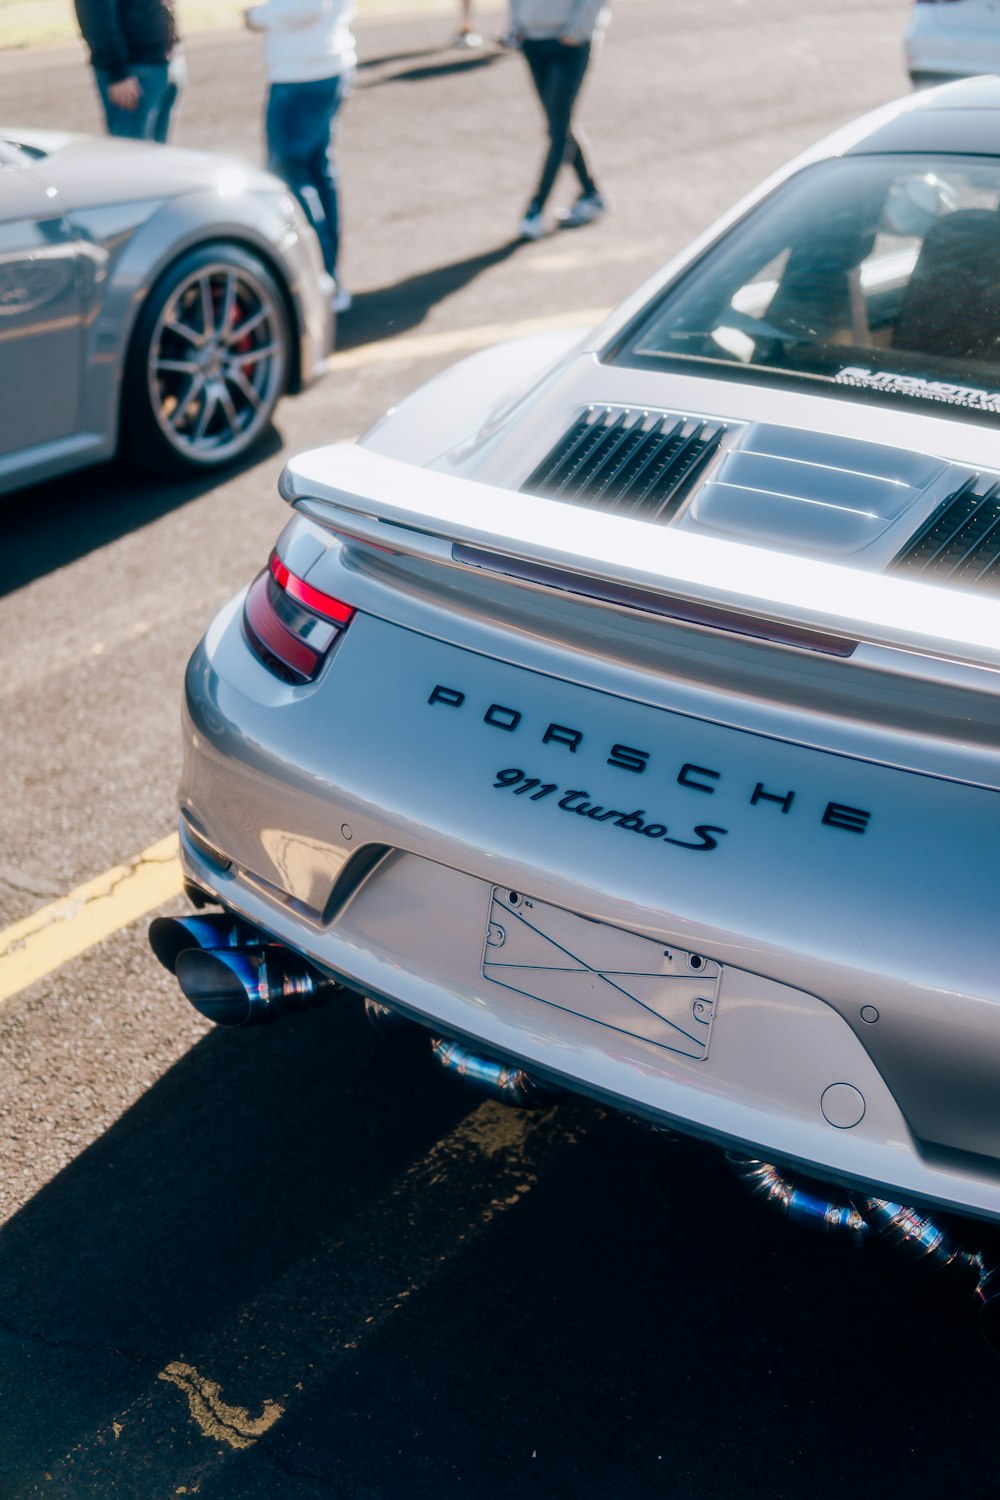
306	39
583	20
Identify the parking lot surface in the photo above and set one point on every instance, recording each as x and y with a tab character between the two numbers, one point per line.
301	1262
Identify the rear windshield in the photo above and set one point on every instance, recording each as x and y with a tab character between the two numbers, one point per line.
878	275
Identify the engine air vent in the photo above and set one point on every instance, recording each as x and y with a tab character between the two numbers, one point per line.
635	463
959	543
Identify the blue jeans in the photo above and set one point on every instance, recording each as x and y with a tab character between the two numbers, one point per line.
301	129
161	85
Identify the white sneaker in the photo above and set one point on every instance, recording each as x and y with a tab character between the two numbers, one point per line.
587	208
532	227
467	39
341	299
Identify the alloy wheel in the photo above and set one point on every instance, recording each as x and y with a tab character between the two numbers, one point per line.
216	362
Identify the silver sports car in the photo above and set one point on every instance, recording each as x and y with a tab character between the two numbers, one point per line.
624	707
151	298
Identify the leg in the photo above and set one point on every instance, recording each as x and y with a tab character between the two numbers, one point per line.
167	113
557	72
299	124
577	158
538	56
156	86
324	171
568	71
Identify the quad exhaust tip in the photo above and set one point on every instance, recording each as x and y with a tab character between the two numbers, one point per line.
234	974
250	988
169	937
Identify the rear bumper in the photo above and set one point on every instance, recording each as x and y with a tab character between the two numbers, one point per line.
812	925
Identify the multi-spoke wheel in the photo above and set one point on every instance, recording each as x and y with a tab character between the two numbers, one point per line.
208	361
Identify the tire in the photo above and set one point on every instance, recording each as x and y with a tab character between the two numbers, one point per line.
208	361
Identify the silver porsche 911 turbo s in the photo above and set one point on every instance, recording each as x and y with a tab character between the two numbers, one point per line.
624	707
151	299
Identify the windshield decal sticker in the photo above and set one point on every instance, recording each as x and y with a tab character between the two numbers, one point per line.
914	385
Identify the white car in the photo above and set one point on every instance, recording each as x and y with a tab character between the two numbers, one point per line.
948	39
625	708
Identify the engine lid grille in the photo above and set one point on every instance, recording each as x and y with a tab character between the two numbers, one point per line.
959	543
641	463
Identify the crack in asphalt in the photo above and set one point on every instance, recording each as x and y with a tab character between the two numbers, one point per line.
101	888
21	887
34	947
10	1331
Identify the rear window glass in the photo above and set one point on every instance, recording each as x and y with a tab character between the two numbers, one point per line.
878	275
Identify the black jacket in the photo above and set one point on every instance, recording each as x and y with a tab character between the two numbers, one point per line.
121	33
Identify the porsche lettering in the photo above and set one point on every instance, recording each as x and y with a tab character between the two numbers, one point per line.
697	778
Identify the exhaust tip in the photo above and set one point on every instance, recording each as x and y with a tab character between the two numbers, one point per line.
169	937
213	987
233	987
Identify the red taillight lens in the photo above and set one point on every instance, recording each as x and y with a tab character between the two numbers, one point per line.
290	625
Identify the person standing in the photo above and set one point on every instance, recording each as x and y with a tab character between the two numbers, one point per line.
137	66
557	38
311	58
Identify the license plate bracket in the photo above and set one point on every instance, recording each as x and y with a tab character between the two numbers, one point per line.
615	978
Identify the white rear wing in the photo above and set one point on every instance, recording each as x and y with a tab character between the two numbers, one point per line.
424	513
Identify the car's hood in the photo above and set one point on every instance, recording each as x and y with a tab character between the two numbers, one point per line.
91	171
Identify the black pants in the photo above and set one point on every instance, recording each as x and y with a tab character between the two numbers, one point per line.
557	72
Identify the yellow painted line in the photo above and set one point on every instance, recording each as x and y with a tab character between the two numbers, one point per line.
441	1204
606	255
36	946
460	340
41	943
218	1420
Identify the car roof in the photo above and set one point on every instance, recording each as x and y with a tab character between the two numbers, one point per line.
960	118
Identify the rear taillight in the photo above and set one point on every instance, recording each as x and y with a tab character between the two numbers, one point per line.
290	625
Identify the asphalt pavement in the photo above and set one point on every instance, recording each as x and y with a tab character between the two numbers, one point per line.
301	1262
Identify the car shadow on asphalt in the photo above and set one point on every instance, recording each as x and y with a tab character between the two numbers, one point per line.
636	1318
52	524
248	1153
403	305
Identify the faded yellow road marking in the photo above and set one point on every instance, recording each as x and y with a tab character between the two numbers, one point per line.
228	1424
41	943
460	340
36	946
565	259
345	1287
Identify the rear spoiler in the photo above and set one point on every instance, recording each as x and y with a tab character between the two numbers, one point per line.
721	584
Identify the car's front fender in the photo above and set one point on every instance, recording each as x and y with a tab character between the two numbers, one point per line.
128	264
